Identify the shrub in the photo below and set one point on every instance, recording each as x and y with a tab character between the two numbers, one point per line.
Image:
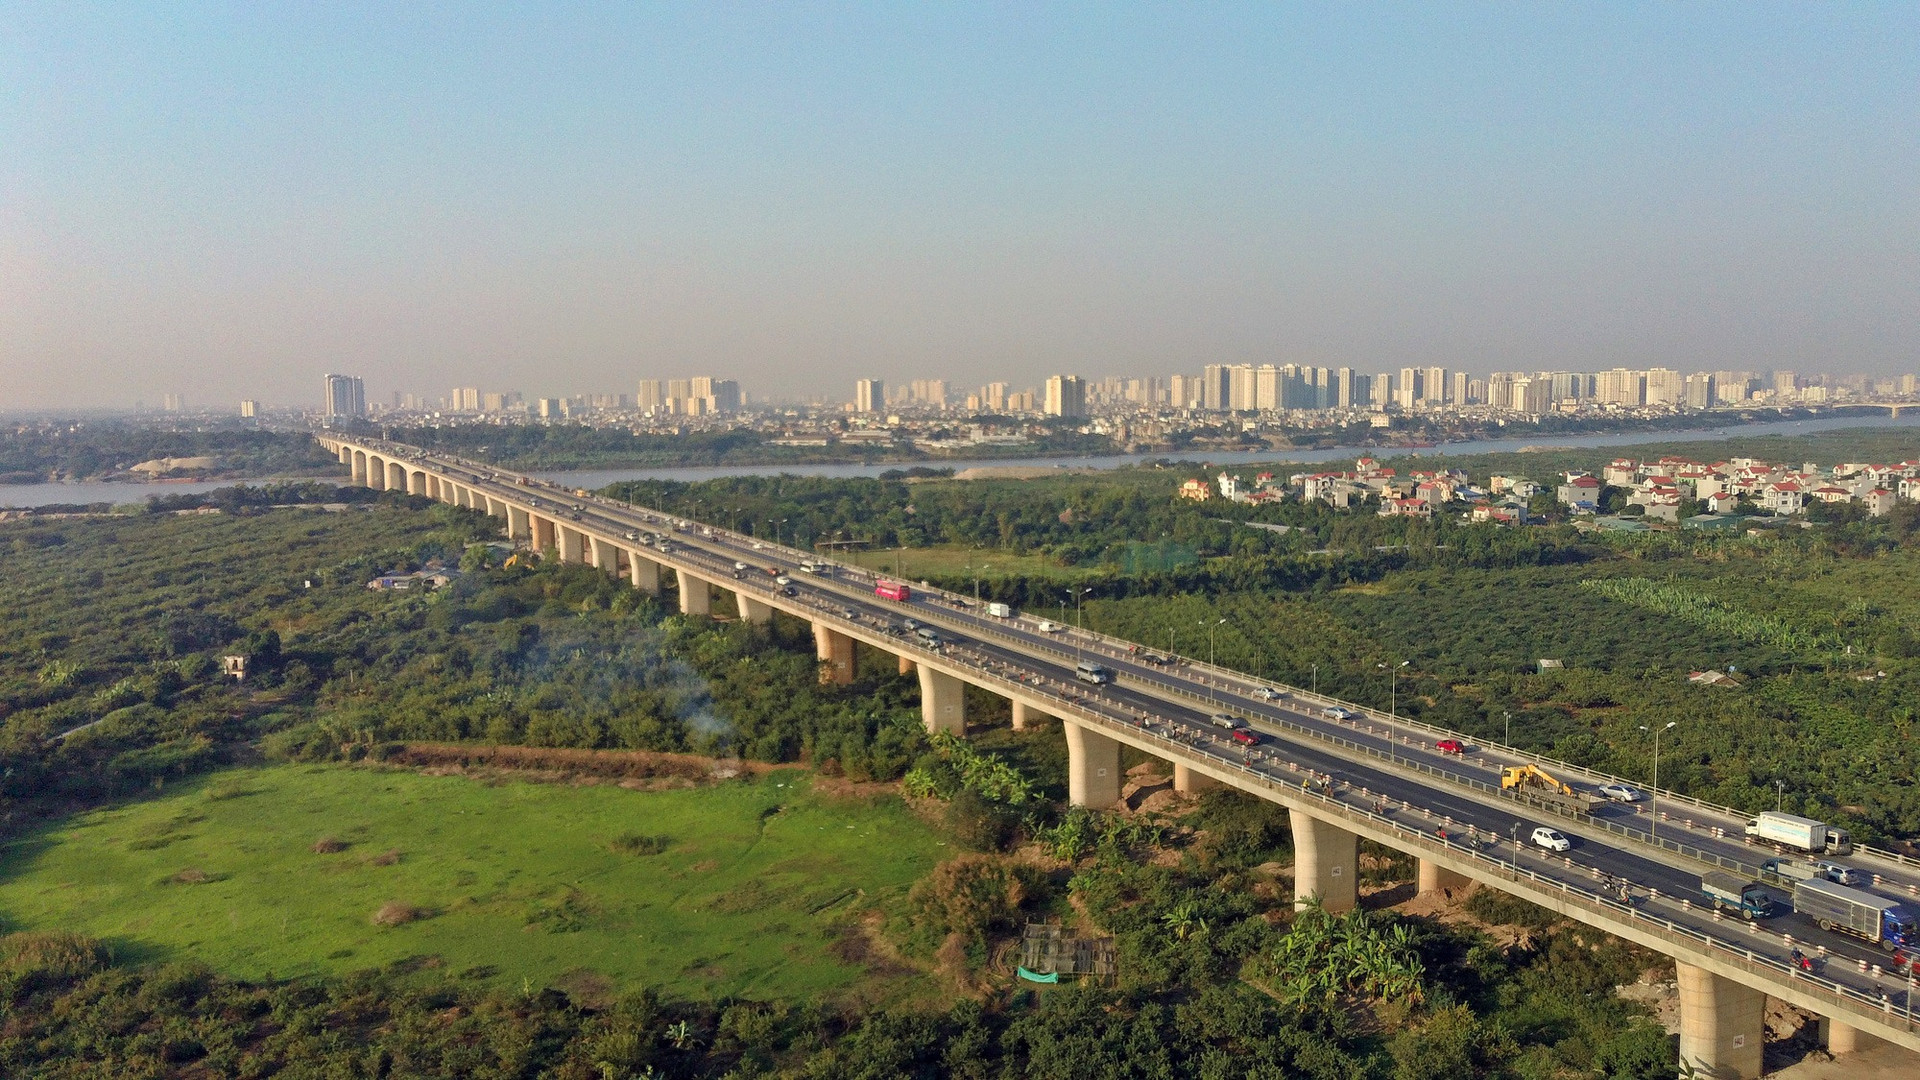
639	844
329	845
395	913
387	858
51	954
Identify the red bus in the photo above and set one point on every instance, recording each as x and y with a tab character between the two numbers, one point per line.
892	590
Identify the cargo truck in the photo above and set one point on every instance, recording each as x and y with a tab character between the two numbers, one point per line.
1798	833
1846	910
1000	611
1737	894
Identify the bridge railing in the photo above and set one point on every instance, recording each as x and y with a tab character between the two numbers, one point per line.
1244	683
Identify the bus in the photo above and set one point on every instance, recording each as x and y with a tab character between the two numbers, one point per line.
892	590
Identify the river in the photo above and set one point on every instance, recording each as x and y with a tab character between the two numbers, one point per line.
108	491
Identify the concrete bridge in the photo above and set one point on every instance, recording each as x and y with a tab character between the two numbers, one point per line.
1342	771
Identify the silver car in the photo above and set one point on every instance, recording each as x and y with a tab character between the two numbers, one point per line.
1620	792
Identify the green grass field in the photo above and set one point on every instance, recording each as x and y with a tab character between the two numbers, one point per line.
519	883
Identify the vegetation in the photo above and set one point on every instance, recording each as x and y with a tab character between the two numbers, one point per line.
31	453
741	888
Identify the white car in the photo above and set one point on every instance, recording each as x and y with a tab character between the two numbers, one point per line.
739	566
1046	627
783	580
1842	875
1620	792
1551	839
1268	693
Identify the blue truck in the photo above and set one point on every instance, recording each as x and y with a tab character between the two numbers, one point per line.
1740	895
1846	910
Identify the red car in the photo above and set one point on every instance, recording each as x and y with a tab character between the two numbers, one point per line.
1245	737
1450	746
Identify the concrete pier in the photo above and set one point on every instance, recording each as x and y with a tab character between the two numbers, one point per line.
1326	863
1722	1025
1093	767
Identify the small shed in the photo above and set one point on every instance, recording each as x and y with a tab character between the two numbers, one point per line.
1048	949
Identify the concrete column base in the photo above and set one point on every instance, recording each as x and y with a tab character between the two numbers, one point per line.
834	650
1024	714
1722	1025
545	534
1188	782
1842	1038
416	483
943	701
696	596
519	527
605	556
645	573
1436	878
758	612
1326	863
572	545
906	664
1093	767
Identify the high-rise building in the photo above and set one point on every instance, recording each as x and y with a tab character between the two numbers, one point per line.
1665	386
1699	390
1462	390
1344	396
1266	388
549	408
1433	386
346	396
995	396
1785	383
249	408
651	398
1216	388
1621	386
869	395
1066	396
1408	391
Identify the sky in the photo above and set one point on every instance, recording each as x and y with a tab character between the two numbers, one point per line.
230	200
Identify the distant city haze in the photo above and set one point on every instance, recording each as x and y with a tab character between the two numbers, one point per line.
230	202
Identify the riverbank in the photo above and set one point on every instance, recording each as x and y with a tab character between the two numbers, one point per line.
88	493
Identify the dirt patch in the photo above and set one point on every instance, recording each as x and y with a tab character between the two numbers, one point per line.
328	845
631	769
586	988
862	944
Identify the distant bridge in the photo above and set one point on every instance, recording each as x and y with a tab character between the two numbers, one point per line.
1342	771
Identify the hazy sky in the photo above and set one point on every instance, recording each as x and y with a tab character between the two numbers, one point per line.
229	200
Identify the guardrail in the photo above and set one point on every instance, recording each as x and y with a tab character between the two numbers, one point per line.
1246	683
1678	934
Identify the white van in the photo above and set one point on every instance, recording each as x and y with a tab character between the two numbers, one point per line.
1093	673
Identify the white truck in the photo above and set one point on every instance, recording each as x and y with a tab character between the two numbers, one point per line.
1000	611
1854	911
1798	833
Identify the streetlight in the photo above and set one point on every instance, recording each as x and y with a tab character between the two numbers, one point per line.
1780	798
1393	687
1079	618
1316	680
1507	738
1653	797
1211	642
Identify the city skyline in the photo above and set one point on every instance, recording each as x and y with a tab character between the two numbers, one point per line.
224	205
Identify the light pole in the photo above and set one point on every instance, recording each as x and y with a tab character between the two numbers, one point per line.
1653	797
779	528
1507	738
1780	797
1316	680
1079	615
1393	687
1211	640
